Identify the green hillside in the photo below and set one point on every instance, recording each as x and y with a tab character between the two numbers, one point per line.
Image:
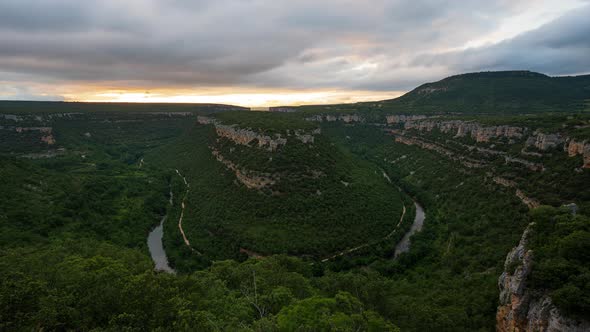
497	92
321	199
492	93
287	221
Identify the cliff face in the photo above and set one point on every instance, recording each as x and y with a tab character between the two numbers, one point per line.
465	161
391	119
246	136
544	141
255	178
519	310
575	148
347	118
538	140
463	128
251	179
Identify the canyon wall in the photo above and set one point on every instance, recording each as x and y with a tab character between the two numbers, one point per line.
463	128
246	136
522	310
347	118
582	148
543	141
538	140
251	179
254	179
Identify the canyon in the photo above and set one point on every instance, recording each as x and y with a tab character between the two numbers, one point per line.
501	134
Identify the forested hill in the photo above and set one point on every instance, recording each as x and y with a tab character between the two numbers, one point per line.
497	92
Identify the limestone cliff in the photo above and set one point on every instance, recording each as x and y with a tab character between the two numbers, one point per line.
461	128
264	177
251	179
465	161
391	119
543	141
575	148
347	118
246	136
522	310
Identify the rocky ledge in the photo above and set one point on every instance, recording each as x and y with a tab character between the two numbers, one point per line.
582	148
463	128
247	136
519	310
346	118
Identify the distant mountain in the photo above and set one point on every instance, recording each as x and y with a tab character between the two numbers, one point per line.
497	92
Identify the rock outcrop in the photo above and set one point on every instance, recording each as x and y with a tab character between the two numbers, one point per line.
463	128
347	118
392	119
251	179
465	161
519	309
544	141
246	136
575	148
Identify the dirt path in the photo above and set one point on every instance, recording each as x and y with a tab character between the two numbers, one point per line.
388	236
182	204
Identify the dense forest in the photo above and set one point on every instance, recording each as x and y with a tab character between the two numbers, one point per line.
290	222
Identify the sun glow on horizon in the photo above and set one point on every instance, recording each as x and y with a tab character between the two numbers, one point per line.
247	99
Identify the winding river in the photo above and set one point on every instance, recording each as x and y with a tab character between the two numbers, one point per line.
157	248
160	259
404	244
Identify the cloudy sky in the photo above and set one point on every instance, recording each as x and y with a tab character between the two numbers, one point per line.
269	52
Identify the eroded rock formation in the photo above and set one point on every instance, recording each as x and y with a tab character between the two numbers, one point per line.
575	148
544	141
391	119
251	179
519	309
463	128
347	118
246	136
467	162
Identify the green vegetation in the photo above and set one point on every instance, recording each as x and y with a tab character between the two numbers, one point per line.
265	121
325	202
77	202
561	245
456	260
485	93
498	93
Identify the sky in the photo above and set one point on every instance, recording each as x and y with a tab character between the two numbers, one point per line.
276	52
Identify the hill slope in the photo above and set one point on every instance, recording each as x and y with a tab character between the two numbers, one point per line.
497	92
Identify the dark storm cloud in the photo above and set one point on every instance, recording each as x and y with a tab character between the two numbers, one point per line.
272	43
558	48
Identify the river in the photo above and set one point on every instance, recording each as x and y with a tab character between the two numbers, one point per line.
404	244
157	248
